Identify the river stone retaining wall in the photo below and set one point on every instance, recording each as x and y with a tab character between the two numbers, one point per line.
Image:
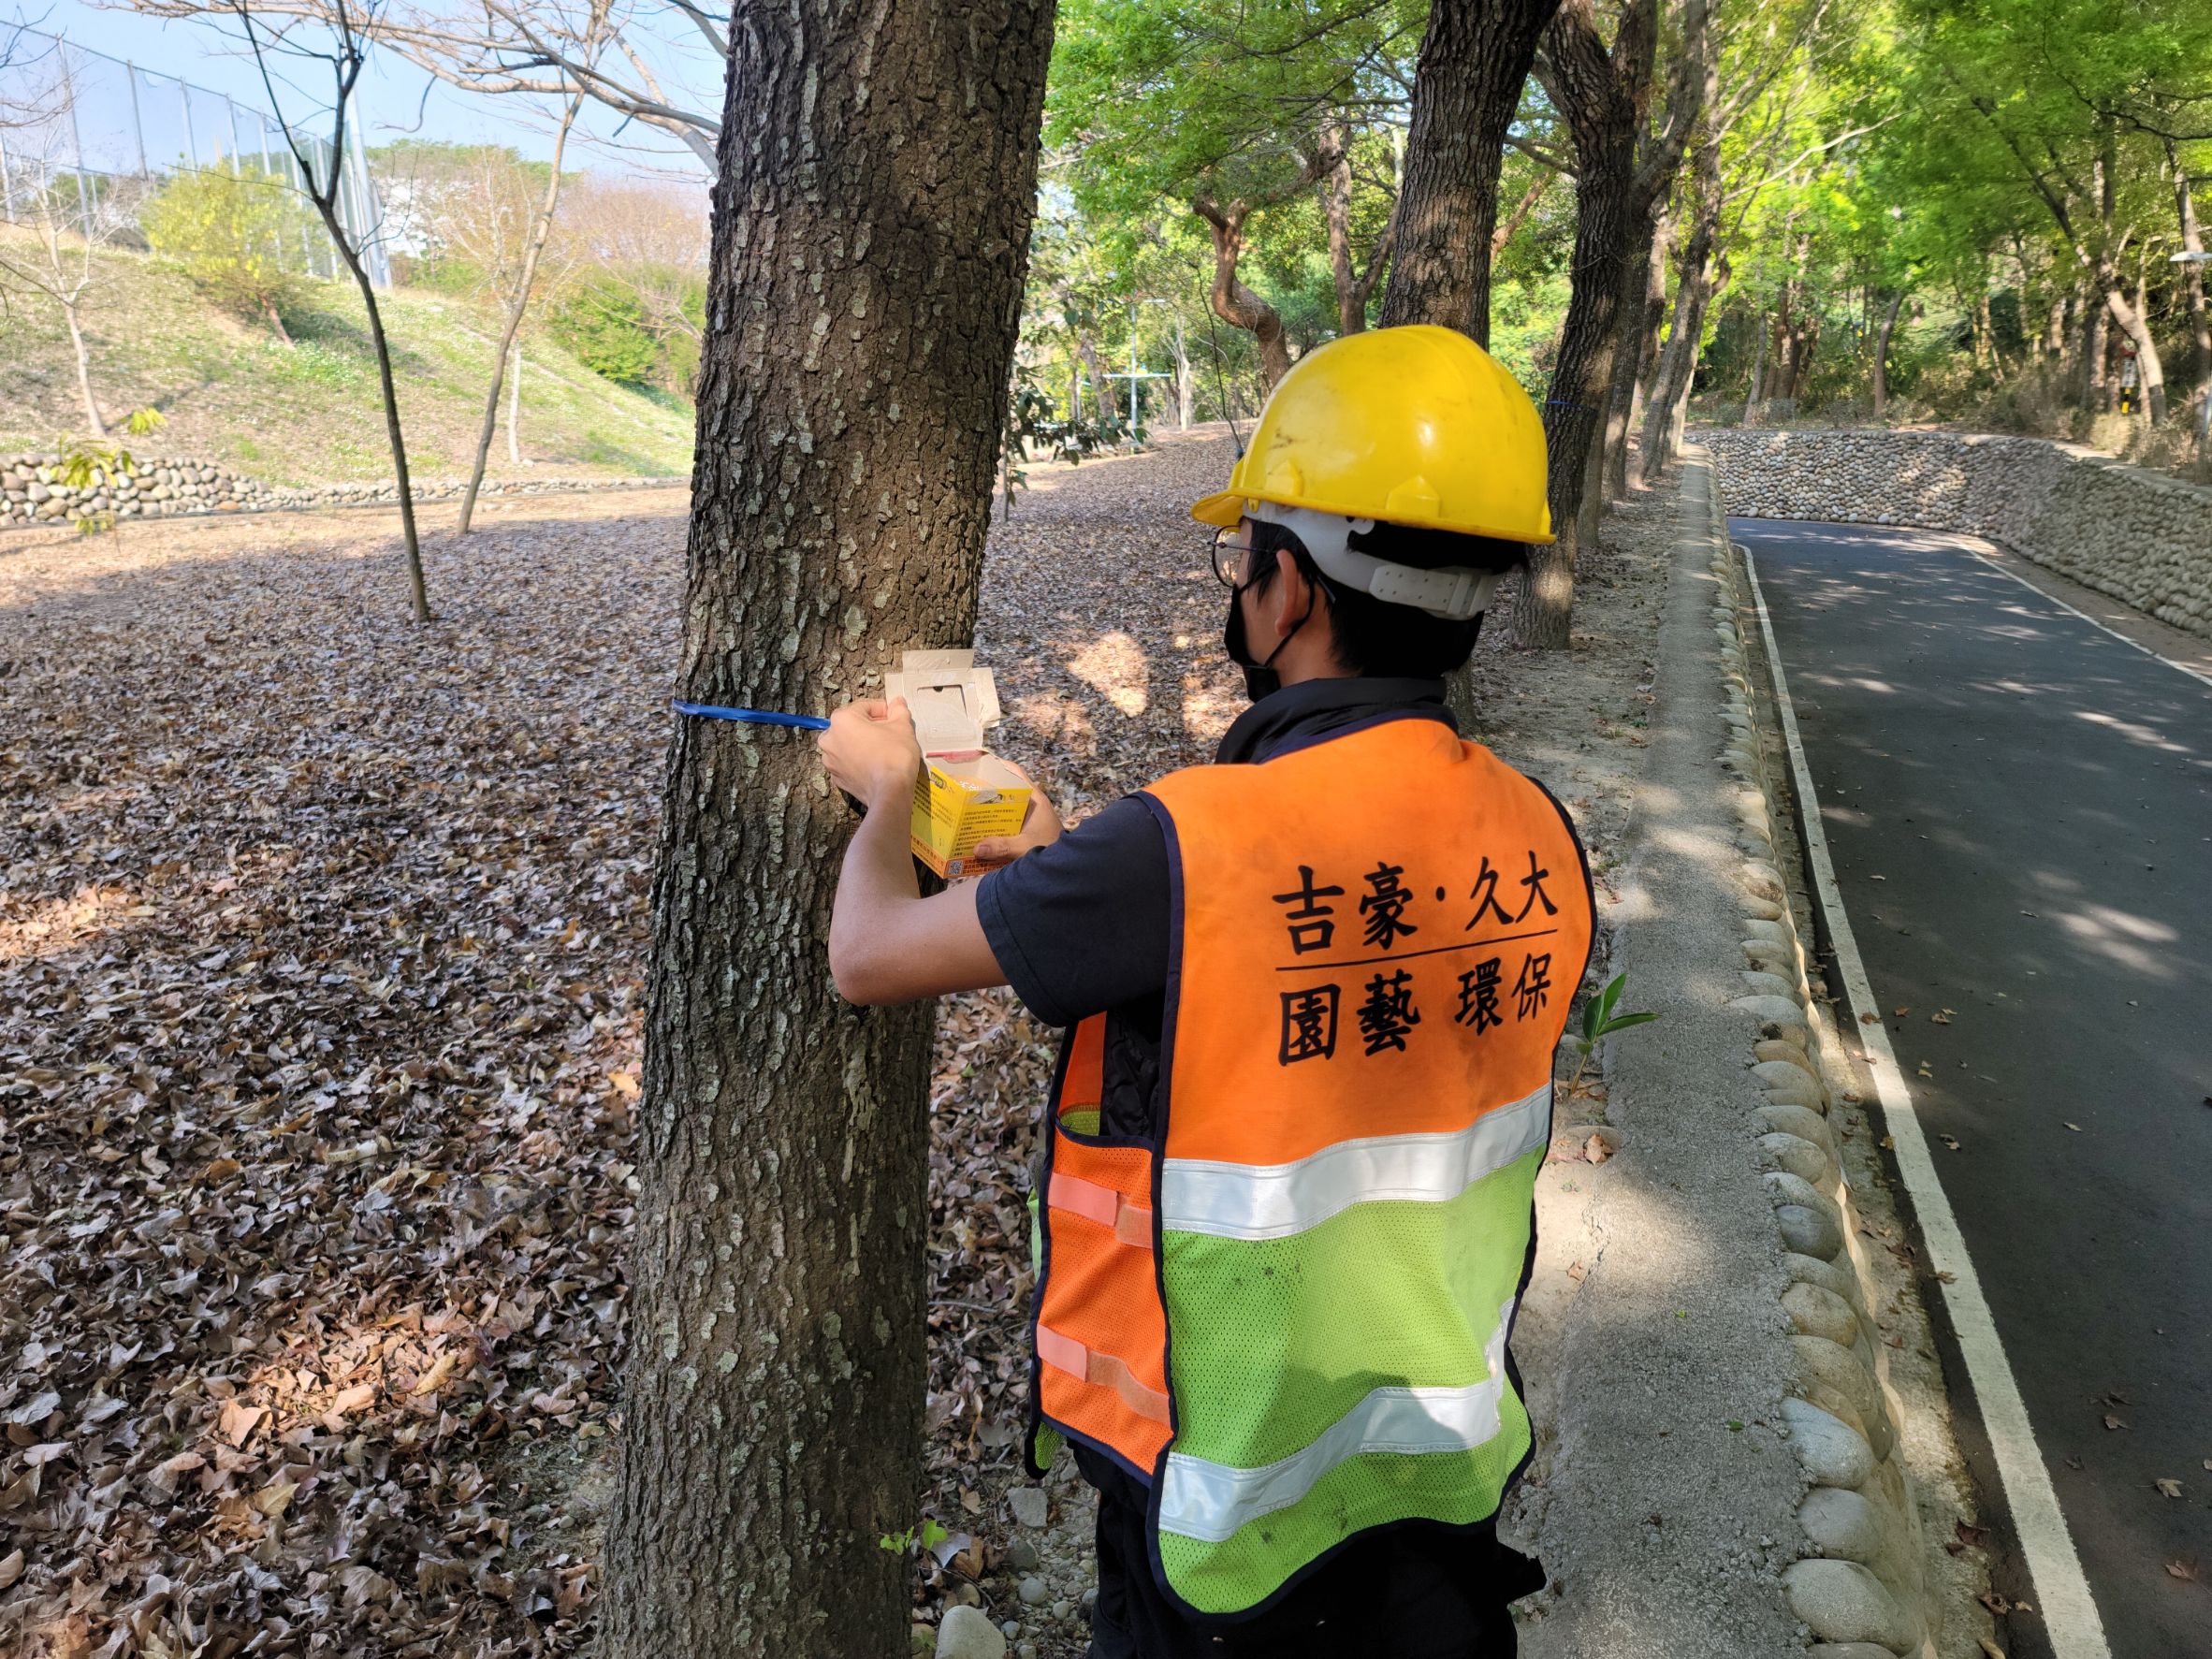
31	491
1863	1593
2136	535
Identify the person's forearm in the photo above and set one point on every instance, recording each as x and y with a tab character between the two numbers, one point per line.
876	881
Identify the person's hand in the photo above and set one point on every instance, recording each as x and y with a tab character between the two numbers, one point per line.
871	752
1040	828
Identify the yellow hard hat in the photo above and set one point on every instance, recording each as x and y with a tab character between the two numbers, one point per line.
1416	426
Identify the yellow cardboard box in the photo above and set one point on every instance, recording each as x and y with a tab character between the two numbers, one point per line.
960	803
964	793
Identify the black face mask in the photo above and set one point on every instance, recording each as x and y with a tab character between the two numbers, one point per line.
1260	678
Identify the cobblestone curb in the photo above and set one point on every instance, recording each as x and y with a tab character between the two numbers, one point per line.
32	493
1863	1593
2139	536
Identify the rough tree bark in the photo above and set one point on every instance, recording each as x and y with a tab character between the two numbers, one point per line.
1234	303
1693	289
870	236
1601	94
1466	88
1643	299
518	305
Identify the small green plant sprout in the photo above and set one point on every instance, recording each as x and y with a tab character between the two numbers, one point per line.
144	422
924	1537
1600	1022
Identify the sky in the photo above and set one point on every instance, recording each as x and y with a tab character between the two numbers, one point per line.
398	100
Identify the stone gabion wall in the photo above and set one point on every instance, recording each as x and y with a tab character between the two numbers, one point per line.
31	491
2140	537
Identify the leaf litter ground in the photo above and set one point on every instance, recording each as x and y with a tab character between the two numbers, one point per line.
320	954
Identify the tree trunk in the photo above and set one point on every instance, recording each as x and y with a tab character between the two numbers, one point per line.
84	359
1102	396
1594	477
517	304
1678	360
1597	93
2092	356
2192	278
1882	336
1234	303
1336	213
1783	372
1759	369
1185	380
871	230
1643	300
515	409
418	592
2150	373
1466	88
1804	341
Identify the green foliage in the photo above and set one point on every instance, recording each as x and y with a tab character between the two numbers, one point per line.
1151	97
232	229
606	320
86	461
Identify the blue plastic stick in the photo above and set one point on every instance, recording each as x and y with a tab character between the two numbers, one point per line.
752	716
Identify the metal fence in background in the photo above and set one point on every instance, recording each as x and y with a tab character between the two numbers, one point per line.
68	112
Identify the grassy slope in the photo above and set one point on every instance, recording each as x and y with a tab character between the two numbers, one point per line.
311	415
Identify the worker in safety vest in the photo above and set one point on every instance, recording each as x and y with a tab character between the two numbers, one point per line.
1313	993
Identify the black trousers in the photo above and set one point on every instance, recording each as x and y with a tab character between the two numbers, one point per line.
1414	1591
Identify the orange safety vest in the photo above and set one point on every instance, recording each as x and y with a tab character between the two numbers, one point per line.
1287	1312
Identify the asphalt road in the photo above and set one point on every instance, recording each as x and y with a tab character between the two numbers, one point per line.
2019	807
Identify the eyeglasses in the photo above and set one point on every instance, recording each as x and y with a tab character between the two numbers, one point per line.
1228	559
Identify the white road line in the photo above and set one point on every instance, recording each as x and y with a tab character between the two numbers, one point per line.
2046	593
2063	1592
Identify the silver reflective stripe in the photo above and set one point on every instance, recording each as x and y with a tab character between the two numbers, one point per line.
1210	1502
1274	1200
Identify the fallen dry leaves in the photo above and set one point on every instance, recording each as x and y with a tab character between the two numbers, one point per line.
319	943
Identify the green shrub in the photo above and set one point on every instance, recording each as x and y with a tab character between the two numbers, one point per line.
232	229
637	325
602	324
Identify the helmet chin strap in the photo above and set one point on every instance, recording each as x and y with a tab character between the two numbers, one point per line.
1454	594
